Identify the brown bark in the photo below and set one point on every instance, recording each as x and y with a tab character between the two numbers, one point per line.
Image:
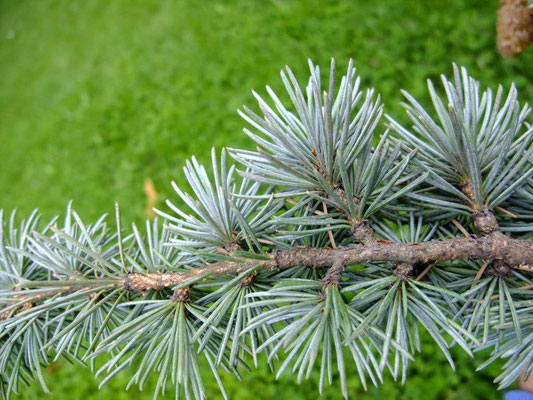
155	281
28	300
493	247
362	232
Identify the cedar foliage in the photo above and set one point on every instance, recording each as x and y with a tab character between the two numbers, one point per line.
340	238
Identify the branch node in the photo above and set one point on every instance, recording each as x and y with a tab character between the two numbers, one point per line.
404	271
498	268
181	295
248	281
467	188
232	246
362	232
333	276
485	221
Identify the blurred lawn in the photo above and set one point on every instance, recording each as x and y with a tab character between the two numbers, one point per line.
96	96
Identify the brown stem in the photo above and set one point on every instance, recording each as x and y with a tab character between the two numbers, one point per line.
27	301
155	281
512	252
496	248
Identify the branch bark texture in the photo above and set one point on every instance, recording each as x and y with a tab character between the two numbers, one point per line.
495	247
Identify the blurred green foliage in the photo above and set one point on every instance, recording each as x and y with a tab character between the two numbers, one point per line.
96	96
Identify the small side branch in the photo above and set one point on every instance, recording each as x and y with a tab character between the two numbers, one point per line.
362	232
334	274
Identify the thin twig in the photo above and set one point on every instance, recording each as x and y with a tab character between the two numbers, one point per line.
424	272
330	233
294	202
460	227
507	212
525	287
481	270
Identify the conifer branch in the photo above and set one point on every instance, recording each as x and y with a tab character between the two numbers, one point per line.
325	243
495	247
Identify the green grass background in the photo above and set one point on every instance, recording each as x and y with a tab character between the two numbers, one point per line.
95	96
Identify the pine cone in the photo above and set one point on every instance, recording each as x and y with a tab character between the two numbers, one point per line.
514	27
